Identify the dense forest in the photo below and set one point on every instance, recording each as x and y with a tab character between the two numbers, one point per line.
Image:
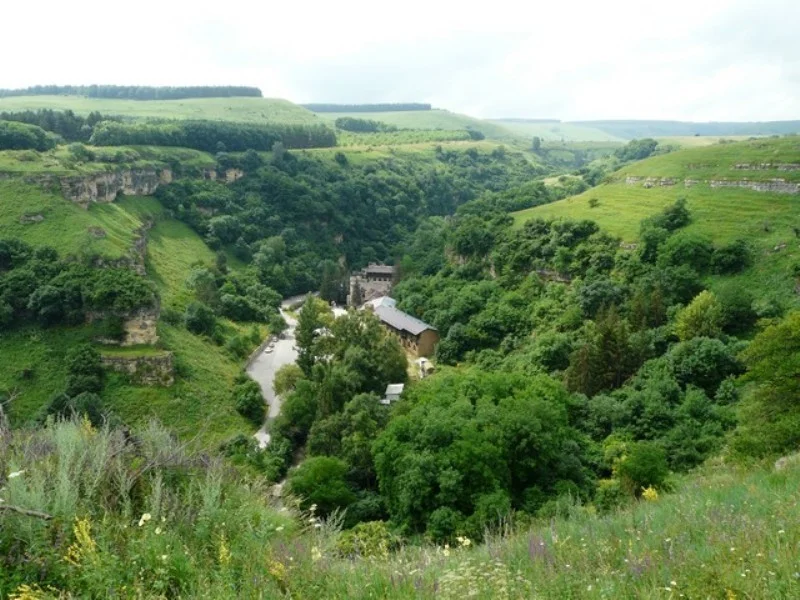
68	125
22	136
296	213
362	125
134	92
347	108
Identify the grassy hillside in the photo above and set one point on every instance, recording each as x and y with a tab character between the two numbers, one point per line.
556	130
428	119
764	219
249	110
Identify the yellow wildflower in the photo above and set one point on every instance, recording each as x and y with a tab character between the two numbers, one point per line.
650	493
315	554
84	546
144	519
224	551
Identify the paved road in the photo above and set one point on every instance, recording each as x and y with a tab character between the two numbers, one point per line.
266	364
264	367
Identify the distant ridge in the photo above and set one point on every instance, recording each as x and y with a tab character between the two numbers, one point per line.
348	108
520	120
637	129
135	92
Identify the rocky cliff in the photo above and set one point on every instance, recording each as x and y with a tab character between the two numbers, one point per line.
776	185
153	370
104	187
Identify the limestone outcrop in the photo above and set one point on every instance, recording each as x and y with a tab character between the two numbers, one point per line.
776	185
151	370
104	187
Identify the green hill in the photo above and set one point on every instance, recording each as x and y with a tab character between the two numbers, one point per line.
247	110
632	129
428	119
556	130
766	220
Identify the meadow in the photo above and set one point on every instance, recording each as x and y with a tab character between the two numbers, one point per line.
429	119
556	131
248	110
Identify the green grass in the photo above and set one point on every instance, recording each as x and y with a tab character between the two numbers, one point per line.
249	110
131	351
556	130
427	119
694	141
66	226
718	161
394	138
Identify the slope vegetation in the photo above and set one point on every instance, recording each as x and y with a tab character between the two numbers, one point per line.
709	178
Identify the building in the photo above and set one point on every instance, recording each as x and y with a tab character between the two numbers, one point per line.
393	393
416	336
371	282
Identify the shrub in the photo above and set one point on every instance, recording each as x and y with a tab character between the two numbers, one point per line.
84	371
366	540
443	524
644	465
199	318
732	258
321	481
249	401
702	318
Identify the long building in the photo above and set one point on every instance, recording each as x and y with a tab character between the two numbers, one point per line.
416	336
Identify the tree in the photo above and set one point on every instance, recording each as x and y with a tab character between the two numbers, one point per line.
84	370
286	379
643	465
308	322
536	144
703	317
249	401
769	422
199	318
321	481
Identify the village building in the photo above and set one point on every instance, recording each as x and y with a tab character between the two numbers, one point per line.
373	281
393	393
416	336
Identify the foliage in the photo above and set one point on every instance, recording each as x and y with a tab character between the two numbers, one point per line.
249	401
770	416
286	379
701	318
362	125
320	481
200	319
470	434
637	149
644	464
68	125
210	136
21	136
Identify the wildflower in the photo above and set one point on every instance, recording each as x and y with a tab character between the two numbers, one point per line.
279	528
649	493
312	508
781	532
446	550
14	474
84	546
164	557
315	554
224	552
464	541
144	519
158	530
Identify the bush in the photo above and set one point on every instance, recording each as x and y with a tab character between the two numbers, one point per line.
366	540
702	318
321	481
443	524
733	258
84	371
609	495
250	402
644	465
199	318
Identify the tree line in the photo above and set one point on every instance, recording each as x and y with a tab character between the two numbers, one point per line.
71	127
135	92
386	107
212	136
22	136
362	125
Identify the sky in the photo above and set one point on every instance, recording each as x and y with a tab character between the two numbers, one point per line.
698	60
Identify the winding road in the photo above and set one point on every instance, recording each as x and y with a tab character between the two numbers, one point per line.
264	366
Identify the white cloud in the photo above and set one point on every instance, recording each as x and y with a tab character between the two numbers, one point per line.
710	60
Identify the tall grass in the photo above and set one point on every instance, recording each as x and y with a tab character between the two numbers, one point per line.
140	515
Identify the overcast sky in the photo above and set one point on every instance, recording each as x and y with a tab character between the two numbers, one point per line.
685	59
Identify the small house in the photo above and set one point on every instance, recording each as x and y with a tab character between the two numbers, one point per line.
393	393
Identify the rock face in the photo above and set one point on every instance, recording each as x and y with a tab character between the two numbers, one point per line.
140	327
777	185
228	176
104	187
157	370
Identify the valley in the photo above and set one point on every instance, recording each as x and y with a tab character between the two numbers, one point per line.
614	378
